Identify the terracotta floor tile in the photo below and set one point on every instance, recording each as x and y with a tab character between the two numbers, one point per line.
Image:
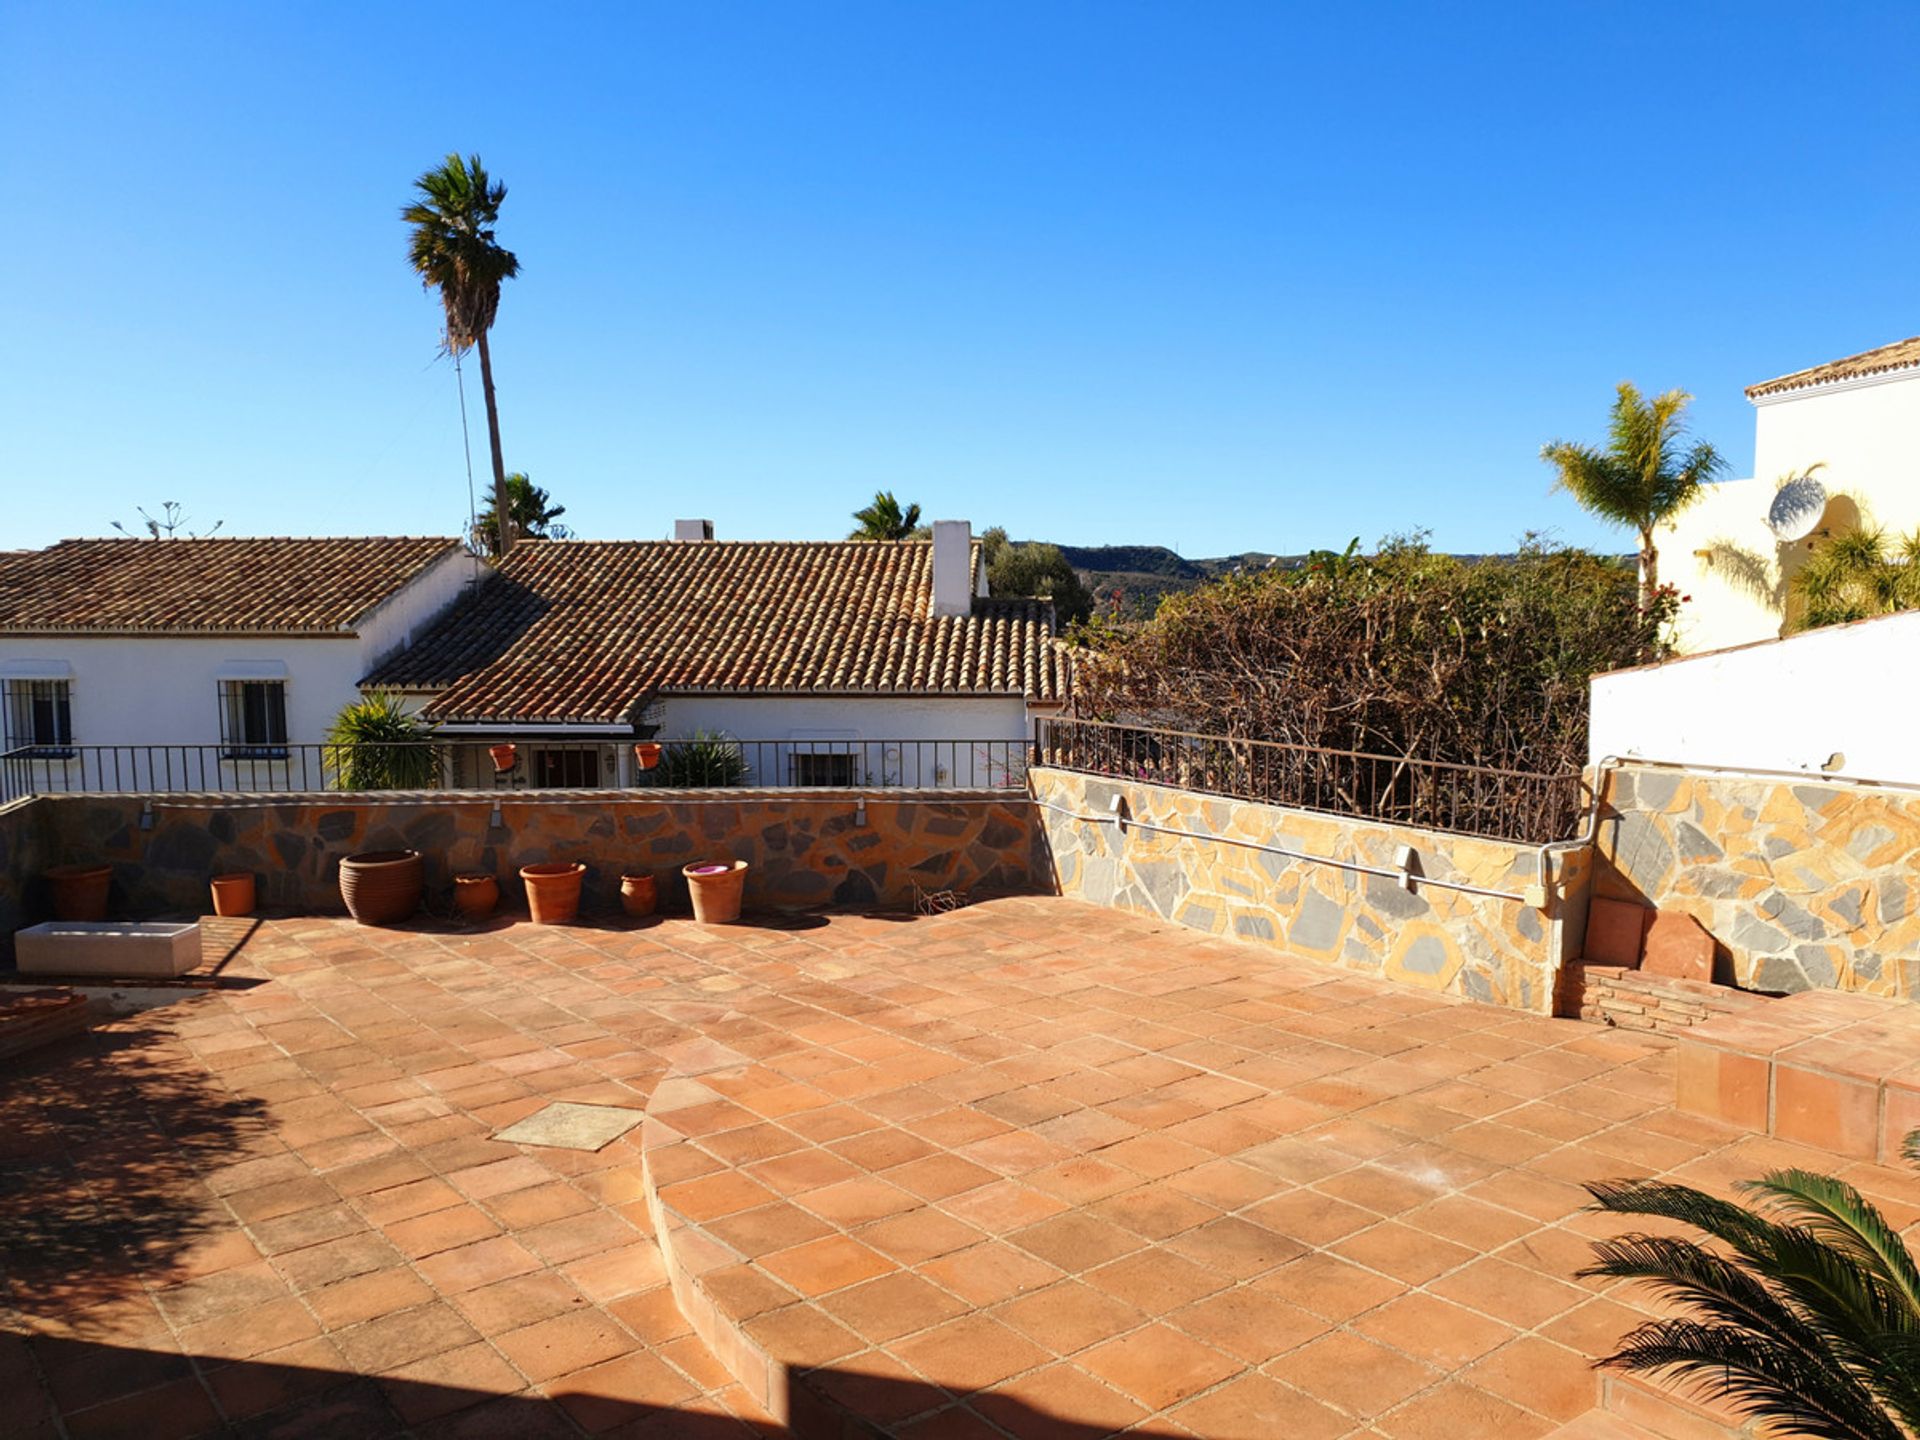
401	1338
822	1266
468	1267
1539	1375
1075	1242
1254	1407
854	1202
514	1304
1157	1279
1069	1316
970	1353
986	1274
1507	1292
1055	1402
768	1228
451	1381
1329	1286
1435	1331
620	1391
1248	1322
1158	1366
439	1230
892	1306
1235	1247
537	1204
563	1344
577	1236
1353	1374
1455	1409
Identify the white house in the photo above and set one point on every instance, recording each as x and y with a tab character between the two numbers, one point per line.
1859	420
830	663
201	664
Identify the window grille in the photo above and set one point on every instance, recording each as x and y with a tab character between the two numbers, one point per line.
39	717
253	720
566	769
817	769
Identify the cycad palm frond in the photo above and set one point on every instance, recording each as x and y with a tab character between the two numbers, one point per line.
1811	1320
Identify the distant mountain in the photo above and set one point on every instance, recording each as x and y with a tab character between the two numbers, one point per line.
1141	575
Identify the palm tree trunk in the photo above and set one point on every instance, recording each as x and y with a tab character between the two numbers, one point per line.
501	512
1649	571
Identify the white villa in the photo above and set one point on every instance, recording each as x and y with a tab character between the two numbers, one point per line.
1858	419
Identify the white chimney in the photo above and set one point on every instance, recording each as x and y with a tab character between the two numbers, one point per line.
952	567
693	529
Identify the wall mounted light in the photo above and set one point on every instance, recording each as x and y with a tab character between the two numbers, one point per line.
146	816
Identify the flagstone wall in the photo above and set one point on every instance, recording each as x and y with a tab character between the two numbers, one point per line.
805	851
24	852
1804	884
1498	951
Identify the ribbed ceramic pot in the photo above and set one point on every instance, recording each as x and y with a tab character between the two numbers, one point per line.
80	891
716	888
382	887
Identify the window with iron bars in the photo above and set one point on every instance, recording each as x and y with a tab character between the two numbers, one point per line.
39	717
253	720
823	769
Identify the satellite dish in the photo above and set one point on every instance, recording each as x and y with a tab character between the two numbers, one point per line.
1796	509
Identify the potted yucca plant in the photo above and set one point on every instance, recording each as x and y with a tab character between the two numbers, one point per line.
376	743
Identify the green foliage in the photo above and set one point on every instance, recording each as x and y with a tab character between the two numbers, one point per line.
1857	575
375	743
1038	571
452	246
886	519
706	758
1402	652
1806	1314
1647	474
531	511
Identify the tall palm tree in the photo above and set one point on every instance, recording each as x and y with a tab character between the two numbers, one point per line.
1857	574
885	520
1646	475
531	513
1808	1317
453	250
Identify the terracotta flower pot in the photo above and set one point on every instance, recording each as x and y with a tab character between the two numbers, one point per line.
646	754
553	891
80	891
504	757
716	888
382	887
638	894
233	894
475	894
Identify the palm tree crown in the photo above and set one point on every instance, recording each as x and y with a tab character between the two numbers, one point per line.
1647	473
1806	1315
884	519
452	248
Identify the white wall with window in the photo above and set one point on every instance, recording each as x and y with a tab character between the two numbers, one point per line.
170	711
860	739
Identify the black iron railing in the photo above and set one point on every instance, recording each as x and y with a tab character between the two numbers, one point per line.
524	763
1523	805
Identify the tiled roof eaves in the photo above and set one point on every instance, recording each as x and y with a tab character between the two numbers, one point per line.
1869	364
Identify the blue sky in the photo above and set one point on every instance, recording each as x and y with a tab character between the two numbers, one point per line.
1217	276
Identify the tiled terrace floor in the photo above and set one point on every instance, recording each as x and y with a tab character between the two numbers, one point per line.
1029	1168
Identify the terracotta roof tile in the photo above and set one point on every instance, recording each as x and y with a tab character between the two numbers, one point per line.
586	631
1901	355
273	586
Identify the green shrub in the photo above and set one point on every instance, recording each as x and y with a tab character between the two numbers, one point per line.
376	744
706	758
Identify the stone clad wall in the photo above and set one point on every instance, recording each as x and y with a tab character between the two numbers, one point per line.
805	851
1804	884
25	850
1498	951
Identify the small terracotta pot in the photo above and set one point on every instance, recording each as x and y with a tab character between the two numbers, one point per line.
646	754
382	887
553	891
504	757
475	894
80	891
638	895
233	894
716	887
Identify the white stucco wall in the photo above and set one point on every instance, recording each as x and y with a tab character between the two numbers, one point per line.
1849	691
160	690
1866	436
869	720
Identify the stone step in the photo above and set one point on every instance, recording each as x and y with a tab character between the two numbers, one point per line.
1641	1000
1599	1425
1835	1071
1667	1413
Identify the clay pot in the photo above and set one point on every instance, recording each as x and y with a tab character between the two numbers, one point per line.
504	757
233	894
716	888
553	892
80	891
646	754
382	887
637	892
475	894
